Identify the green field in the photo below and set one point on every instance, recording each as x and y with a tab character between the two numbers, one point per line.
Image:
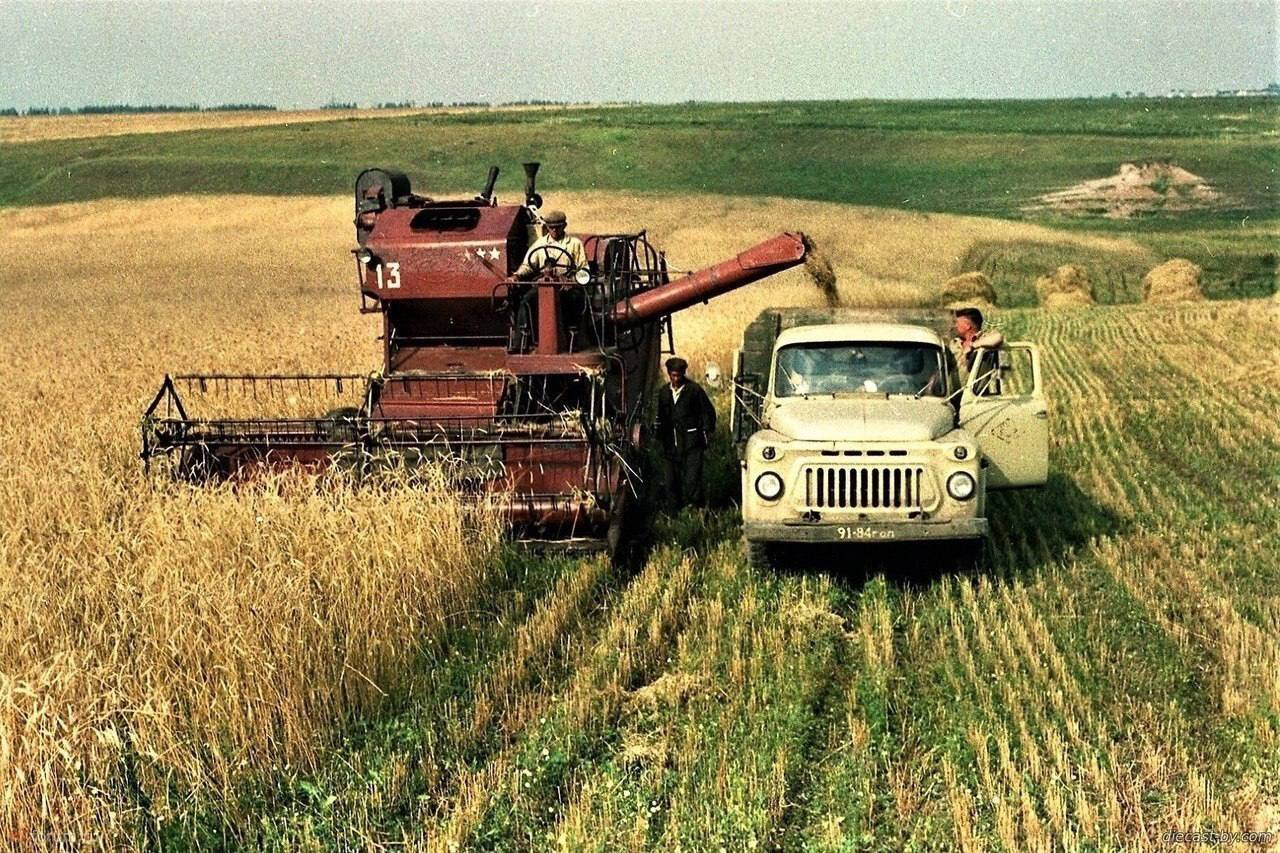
967	157
986	158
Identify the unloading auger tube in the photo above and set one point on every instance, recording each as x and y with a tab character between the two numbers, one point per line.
772	256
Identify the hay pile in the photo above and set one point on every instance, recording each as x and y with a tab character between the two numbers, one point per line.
810	620
1175	280
969	289
1066	287
670	690
642	752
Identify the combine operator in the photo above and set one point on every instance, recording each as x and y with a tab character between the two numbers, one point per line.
554	256
554	252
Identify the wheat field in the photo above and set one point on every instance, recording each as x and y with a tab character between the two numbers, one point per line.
297	664
17	129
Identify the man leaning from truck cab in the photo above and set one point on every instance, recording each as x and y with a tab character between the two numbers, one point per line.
971	337
554	251
686	422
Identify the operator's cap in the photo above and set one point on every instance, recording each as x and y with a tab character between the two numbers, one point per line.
555	217
675	364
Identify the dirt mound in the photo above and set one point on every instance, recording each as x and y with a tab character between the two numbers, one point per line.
968	289
1175	280
1066	287
1136	188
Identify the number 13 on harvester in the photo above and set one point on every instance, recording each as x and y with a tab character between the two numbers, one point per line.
391	279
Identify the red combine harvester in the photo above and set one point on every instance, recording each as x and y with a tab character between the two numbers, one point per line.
531	392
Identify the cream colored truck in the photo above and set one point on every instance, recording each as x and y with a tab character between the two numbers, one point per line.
852	429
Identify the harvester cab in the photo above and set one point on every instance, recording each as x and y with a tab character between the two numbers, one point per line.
529	392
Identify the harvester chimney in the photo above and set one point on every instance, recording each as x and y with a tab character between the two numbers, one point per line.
487	193
531	196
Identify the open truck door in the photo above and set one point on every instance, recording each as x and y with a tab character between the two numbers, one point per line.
1004	408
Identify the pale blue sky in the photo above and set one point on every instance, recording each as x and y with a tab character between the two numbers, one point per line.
296	54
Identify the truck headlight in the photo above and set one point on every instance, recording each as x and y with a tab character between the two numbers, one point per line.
582	277
961	485
961	452
769	486
769	452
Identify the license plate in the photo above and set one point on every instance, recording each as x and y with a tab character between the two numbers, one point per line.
860	533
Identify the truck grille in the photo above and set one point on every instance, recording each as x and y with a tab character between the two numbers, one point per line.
863	486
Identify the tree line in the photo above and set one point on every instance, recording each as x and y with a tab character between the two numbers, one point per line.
118	109
113	109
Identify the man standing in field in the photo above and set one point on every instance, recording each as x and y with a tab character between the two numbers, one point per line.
970	337
686	422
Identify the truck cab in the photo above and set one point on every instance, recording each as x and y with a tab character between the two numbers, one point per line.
871	431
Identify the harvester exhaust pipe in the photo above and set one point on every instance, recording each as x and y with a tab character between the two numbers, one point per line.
531	196
487	193
760	261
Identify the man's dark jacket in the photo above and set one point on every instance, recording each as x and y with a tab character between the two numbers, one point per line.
686	424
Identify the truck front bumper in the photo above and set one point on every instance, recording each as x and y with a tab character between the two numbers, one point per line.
865	531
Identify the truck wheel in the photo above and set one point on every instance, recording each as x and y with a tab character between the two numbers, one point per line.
760	555
971	555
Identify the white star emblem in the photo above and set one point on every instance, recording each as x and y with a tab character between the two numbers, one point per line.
480	254
493	254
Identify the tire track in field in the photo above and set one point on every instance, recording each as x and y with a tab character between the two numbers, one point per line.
719	748
515	794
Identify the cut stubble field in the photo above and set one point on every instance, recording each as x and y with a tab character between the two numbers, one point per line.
45	128
295	663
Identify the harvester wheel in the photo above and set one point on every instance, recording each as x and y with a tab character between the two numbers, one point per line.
615	536
340	424
200	465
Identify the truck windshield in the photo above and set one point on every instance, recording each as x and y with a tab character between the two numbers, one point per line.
881	367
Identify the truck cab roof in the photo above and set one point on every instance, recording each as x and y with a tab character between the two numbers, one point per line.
861	332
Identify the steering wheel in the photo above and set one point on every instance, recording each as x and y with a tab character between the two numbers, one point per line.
551	261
